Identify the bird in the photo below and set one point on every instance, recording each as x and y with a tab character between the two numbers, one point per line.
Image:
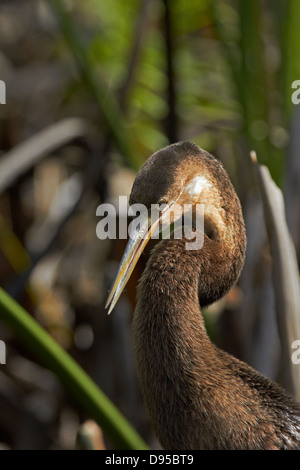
197	395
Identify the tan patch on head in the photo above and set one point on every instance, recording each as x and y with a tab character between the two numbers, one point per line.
196	185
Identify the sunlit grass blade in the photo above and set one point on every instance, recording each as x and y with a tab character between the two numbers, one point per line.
285	273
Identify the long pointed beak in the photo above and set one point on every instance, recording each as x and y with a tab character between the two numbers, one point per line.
135	246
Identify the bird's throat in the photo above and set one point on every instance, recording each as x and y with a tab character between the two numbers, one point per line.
175	357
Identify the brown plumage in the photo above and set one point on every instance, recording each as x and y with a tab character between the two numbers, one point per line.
198	396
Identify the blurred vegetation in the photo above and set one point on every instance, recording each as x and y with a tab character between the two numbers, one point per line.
93	88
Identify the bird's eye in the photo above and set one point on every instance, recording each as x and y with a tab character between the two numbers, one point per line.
210	229
161	202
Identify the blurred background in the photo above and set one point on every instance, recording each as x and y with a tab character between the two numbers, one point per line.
92	89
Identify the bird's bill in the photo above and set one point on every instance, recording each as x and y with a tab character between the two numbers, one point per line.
135	246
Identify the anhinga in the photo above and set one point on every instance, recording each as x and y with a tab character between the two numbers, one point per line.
198	396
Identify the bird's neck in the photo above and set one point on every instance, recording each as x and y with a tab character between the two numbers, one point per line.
175	357
168	301
199	396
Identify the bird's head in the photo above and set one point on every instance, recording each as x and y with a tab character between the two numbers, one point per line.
178	176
